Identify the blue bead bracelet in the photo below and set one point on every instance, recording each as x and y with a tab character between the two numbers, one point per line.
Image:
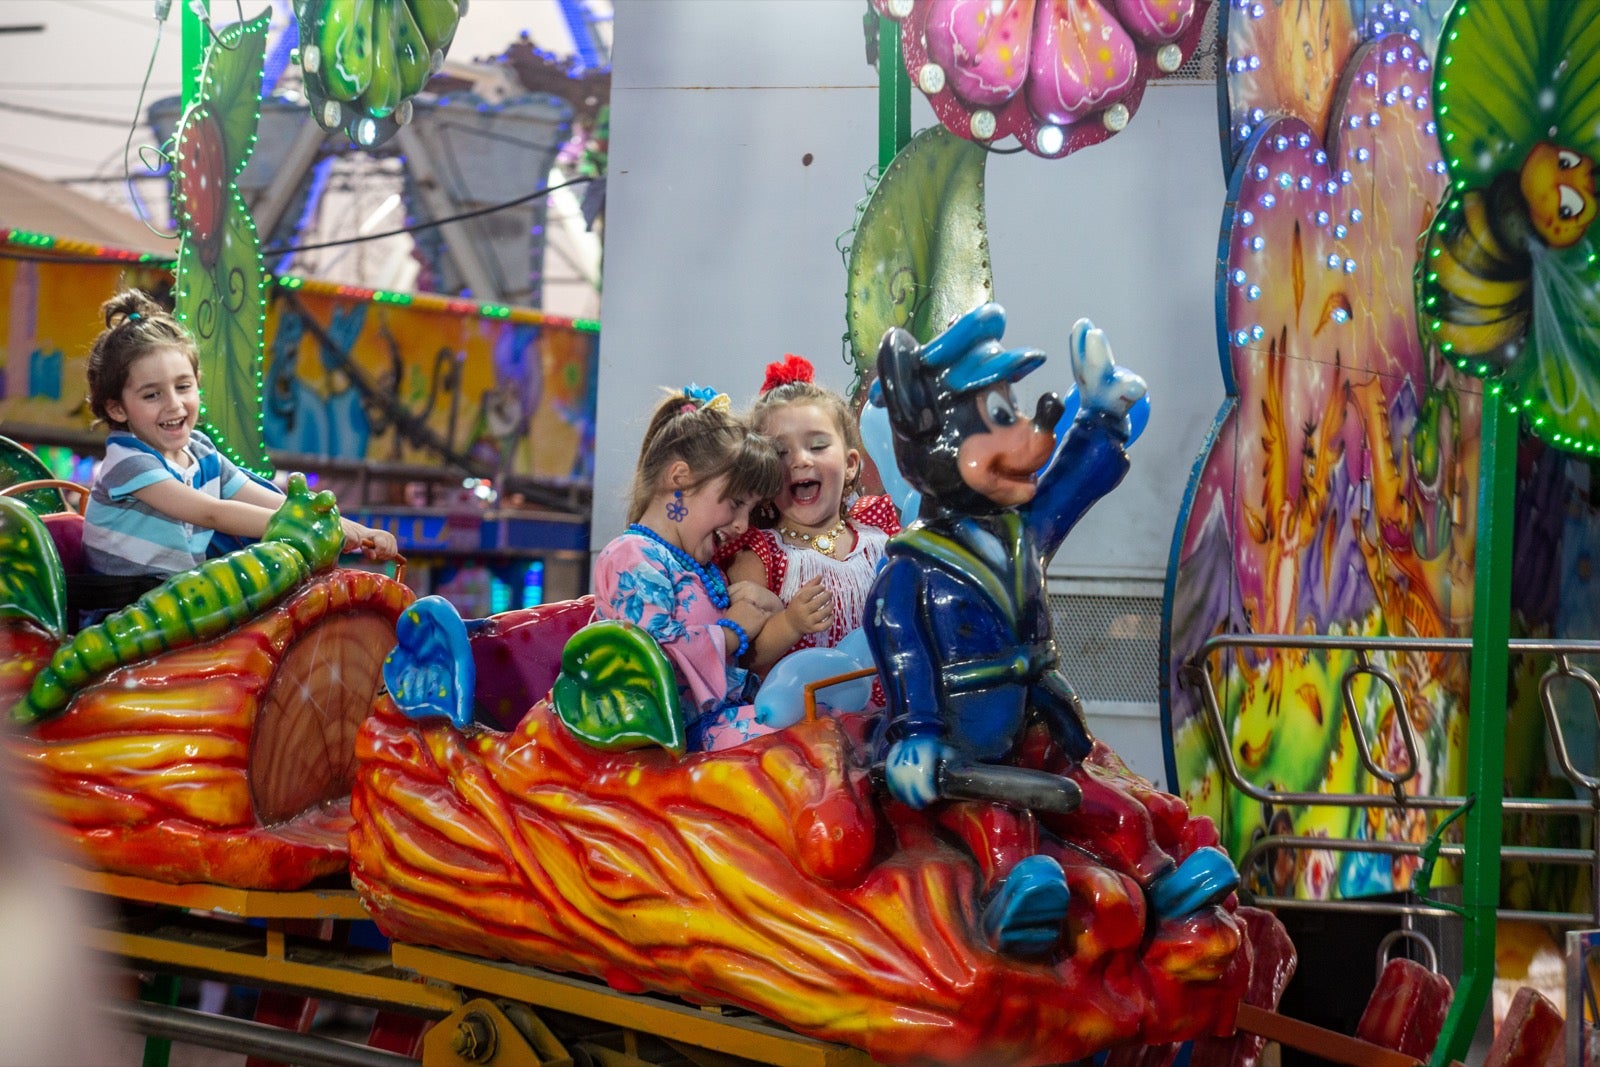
738	631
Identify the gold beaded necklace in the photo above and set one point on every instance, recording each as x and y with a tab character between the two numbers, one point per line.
822	542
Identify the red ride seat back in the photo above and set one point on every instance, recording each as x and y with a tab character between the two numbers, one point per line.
518	655
88	592
66	530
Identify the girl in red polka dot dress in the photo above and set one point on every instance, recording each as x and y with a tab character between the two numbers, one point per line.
821	552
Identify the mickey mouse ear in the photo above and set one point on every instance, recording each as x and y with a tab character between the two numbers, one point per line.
906	394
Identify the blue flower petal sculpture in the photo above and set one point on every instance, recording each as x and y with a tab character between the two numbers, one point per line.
430	671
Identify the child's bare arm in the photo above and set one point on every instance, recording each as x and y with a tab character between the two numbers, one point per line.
239	517
373	542
259	495
752	619
777	635
759	595
809	611
246	514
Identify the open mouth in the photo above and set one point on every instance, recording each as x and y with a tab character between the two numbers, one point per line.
174	425
805	492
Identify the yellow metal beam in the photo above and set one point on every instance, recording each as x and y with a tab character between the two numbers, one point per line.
482	1033
748	1038
408	977
239	952
244	903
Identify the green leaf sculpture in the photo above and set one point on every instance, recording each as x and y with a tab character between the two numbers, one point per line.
616	689
17	464
920	255
221	289
32	584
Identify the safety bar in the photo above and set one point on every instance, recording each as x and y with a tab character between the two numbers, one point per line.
1197	678
810	688
1520	853
1394	937
244	1035
58	484
1563	668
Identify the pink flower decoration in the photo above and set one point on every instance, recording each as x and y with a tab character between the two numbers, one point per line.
1057	75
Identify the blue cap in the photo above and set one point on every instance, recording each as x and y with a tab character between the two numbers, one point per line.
971	356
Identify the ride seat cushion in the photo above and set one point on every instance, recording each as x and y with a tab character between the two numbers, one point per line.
66	530
517	655
97	594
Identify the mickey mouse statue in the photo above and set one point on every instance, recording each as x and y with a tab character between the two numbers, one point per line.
959	624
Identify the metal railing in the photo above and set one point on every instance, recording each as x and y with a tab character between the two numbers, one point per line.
1195	676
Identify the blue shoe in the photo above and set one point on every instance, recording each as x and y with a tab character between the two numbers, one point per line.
430	670
1024	918
1206	877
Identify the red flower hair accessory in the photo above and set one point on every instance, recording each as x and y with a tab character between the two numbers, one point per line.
792	369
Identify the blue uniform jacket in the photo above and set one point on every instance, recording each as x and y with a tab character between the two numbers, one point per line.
958	618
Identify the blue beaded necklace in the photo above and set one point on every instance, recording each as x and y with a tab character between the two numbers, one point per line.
710	574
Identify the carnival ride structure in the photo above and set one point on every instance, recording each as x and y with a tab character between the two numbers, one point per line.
172	745
772	877
1341	588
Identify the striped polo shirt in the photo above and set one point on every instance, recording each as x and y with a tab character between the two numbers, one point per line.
122	535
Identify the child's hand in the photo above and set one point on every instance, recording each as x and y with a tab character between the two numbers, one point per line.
810	611
380	545
756	595
374	544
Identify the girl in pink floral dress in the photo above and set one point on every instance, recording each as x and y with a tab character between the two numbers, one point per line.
700	471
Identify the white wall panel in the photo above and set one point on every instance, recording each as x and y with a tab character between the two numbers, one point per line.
720	240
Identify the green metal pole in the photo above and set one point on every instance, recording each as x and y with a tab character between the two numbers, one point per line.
1486	732
195	39
894	94
162	989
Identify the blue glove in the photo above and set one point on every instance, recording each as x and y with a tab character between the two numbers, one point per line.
1102	385
912	770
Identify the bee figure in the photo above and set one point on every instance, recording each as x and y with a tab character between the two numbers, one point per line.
1478	270
1507	285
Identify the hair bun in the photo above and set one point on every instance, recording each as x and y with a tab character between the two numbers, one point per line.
130	305
790	369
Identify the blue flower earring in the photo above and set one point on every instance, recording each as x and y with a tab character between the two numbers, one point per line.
677	510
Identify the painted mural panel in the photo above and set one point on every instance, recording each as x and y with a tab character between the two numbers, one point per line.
1285	57
1337	496
50	317
349	374
351	378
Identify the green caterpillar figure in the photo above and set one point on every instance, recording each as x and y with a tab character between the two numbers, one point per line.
303	537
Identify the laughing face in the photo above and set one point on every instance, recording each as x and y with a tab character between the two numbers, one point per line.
817	466
1001	464
711	518
160	402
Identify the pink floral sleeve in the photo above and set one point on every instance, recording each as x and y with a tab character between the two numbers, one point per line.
638	581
